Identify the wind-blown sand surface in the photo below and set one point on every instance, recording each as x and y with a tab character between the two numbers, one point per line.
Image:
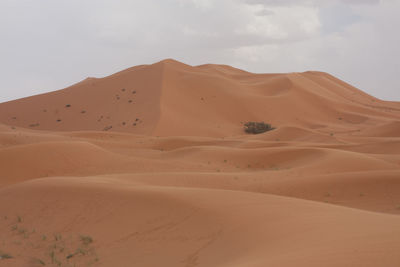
151	167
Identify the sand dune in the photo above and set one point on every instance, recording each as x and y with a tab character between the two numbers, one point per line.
151	167
388	129
296	133
163	98
194	227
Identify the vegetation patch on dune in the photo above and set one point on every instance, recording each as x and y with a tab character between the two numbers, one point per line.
45	248
5	256
252	127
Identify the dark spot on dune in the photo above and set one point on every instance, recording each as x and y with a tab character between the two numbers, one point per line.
130	101
59	120
14	118
137	119
83	111
68	106
44	110
123	123
123	89
134	124
134	92
107	128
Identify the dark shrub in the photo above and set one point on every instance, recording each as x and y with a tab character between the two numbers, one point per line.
252	127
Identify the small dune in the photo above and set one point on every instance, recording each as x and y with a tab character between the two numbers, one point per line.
389	129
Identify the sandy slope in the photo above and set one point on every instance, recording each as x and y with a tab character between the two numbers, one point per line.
164	99
176	182
135	225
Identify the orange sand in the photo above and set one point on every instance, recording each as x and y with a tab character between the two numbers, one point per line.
151	167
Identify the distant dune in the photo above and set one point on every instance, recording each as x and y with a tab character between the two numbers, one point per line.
151	167
164	98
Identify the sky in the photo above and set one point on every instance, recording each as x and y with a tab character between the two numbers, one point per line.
46	45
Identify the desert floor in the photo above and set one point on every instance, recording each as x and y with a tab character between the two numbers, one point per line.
151	167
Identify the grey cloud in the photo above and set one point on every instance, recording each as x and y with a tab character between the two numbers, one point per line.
311	2
265	12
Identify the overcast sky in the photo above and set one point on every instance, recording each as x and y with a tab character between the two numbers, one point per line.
47	45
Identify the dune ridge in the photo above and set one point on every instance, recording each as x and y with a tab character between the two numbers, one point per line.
163	98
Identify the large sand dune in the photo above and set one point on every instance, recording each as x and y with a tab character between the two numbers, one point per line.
151	167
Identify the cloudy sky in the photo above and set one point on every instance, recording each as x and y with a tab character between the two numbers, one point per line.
47	45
